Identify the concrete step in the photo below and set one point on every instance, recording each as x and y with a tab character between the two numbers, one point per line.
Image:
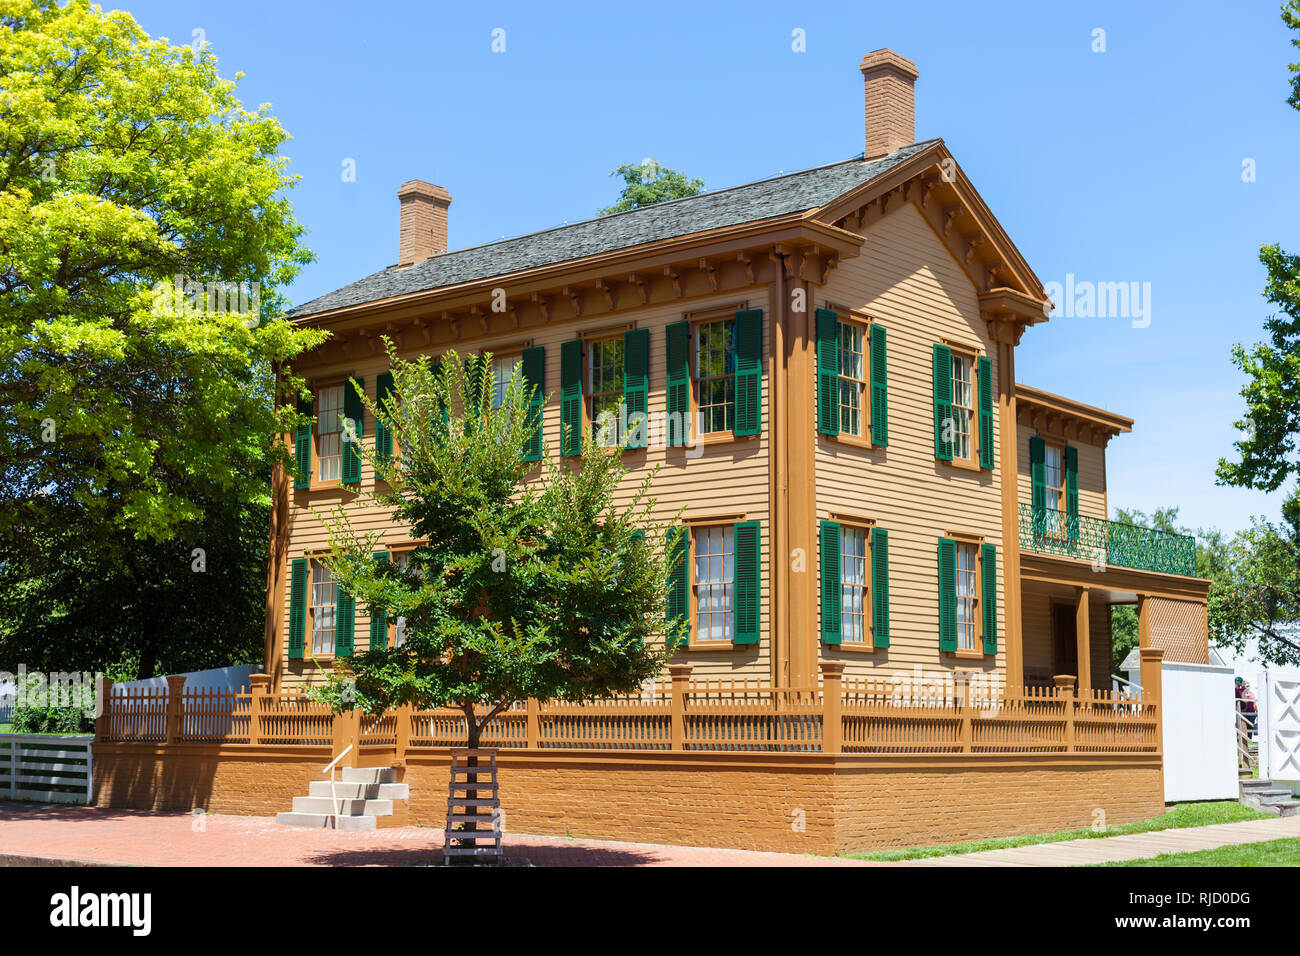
369	775
361	791
1253	784
350	808
1273	796
326	821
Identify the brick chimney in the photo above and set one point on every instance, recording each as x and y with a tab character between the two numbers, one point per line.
423	231
888	79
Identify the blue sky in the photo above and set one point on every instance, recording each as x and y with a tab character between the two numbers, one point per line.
1123	165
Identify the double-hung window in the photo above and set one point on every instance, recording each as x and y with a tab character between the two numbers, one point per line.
605	372
324	605
329	433
853	383
1054	485
503	368
713	583
715	373
854	603
963	407
967	595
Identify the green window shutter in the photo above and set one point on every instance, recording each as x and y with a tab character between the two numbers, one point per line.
943	427
984	372
879	388
677	609
571	397
832	594
355	410
1072	493
989	597
748	580
828	372
534	374
345	619
947	594
880	587
1038	474
383	435
302	449
678	384
636	386
379	615
749	372
297	609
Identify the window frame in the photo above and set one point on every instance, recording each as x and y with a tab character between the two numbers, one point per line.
975	542
317	387
971	358
863	434
589	418
727	642
510	352
309	639
393	552
867	641
728	318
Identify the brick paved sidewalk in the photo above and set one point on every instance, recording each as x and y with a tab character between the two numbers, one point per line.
1129	846
138	837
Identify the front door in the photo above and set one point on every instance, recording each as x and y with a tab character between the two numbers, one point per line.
1065	644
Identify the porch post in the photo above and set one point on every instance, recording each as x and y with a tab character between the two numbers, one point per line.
261	686
1065	693
680	673
175	708
1151	661
832	706
103	716
1144	620
1083	641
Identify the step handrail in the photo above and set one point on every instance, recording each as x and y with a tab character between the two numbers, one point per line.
334	794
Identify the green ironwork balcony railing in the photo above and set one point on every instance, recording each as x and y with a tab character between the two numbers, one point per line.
1114	543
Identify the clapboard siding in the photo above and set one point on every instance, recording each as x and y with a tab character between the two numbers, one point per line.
725	477
1092	470
908	282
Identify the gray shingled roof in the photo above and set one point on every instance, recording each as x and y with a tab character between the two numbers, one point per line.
793	192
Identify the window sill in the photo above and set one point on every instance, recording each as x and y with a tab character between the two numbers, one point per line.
853	647
857	441
965	464
967	655
719	438
727	646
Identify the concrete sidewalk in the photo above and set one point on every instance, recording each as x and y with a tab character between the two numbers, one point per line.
1131	846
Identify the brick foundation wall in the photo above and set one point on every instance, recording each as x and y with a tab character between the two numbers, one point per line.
794	803
889	803
259	781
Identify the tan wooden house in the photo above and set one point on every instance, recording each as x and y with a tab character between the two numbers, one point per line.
822	365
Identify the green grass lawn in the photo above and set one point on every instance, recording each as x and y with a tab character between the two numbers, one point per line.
1177	817
1266	853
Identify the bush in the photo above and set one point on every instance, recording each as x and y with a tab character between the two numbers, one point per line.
51	720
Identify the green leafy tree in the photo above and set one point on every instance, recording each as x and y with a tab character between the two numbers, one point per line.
144	237
1260	589
647	183
1291	17
1268	449
520	588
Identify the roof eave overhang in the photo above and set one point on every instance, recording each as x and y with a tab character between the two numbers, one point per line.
792	231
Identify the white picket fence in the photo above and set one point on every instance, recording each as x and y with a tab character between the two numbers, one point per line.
45	768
